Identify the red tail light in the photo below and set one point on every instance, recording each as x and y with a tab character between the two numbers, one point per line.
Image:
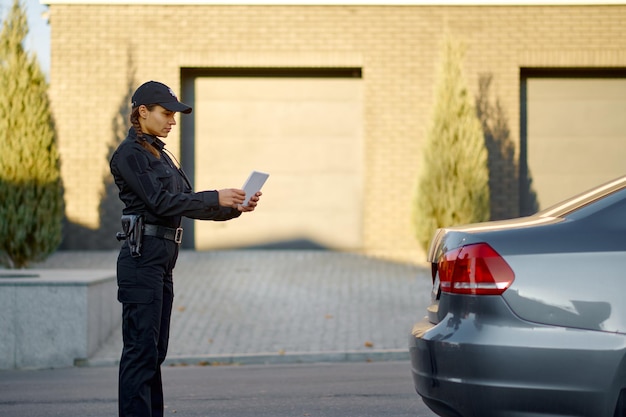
474	269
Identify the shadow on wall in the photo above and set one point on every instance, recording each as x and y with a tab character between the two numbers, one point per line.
292	244
507	193
76	236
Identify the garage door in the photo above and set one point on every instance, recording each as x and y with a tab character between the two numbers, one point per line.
307	134
576	134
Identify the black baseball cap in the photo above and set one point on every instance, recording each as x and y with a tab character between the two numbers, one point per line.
154	92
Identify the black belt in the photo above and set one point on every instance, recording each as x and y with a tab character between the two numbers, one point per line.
163	232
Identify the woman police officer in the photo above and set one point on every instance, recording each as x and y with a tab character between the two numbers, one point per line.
156	194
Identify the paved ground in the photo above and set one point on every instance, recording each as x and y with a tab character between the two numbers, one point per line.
275	306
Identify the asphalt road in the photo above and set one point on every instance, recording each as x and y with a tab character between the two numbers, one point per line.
310	390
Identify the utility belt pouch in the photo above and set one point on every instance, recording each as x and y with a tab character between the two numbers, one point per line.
132	230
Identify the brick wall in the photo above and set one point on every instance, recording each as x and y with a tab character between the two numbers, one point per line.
100	52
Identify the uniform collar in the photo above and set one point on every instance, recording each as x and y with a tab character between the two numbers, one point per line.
152	140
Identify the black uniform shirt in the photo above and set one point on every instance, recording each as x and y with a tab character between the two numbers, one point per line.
159	190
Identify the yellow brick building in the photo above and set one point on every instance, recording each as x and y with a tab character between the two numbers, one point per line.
334	101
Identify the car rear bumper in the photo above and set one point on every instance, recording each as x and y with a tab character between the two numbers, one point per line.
495	364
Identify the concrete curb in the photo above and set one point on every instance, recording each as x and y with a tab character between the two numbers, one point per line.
269	358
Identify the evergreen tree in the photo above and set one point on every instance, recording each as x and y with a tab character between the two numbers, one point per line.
31	199
453	187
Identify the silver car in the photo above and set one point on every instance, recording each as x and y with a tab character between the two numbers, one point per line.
528	316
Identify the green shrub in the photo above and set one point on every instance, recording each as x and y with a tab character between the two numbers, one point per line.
31	199
453	186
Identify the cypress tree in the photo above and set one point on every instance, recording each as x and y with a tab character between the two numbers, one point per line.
453	186
31	199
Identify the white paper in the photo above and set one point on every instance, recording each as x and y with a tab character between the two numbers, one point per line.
253	184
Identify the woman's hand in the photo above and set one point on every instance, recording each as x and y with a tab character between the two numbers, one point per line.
252	203
231	197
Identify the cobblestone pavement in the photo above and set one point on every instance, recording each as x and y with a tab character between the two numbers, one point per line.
280	306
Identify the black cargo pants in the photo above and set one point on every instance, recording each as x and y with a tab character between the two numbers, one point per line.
145	289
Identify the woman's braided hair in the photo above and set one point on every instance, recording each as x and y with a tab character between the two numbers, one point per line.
134	120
